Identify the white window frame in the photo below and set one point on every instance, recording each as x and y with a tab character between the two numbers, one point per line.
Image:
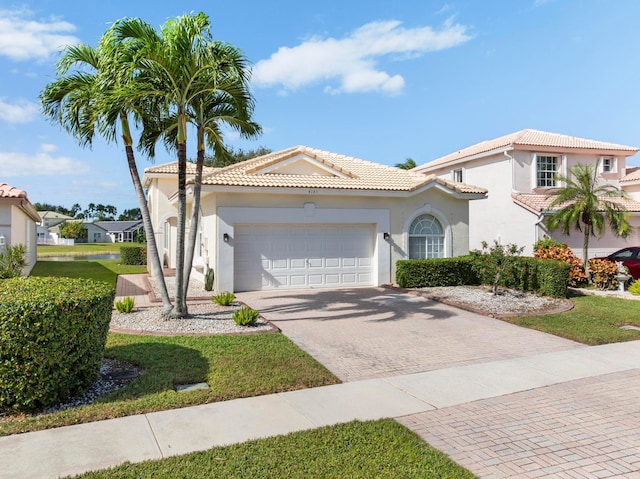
431	241
613	165
457	175
536	180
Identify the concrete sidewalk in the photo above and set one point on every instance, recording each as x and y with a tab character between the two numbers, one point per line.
74	449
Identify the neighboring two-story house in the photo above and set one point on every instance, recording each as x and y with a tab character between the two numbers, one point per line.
520	170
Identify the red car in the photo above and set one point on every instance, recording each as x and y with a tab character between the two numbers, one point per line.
630	257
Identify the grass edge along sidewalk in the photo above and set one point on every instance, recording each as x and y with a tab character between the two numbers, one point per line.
358	450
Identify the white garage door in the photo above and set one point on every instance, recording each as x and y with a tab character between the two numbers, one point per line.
295	256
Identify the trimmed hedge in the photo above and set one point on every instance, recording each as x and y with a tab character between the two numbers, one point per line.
424	273
553	277
544	276
135	255
52	338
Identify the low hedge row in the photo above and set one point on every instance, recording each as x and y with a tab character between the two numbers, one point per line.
53	333
426	273
545	276
135	255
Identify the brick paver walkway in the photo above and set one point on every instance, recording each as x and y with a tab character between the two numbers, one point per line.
589	428
365	333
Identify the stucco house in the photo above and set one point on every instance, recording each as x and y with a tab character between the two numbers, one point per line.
94	233
519	171
18	220
121	231
303	217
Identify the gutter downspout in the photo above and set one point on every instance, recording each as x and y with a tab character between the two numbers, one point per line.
513	172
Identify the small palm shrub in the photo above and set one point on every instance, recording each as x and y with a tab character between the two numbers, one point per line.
125	305
603	273
224	299
12	261
635	288
552	249
245	316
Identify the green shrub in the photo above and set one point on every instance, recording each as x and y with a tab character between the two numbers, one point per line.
135	255
553	277
52	334
425	273
208	279
12	261
552	249
125	305
245	316
224	299
635	288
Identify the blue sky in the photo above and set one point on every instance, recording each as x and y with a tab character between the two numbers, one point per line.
378	80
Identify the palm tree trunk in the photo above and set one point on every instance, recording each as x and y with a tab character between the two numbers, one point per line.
152	247
180	307
195	208
585	251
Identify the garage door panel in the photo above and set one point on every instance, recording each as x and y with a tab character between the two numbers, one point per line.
296	256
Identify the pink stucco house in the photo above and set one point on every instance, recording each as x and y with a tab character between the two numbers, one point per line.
18	220
519	170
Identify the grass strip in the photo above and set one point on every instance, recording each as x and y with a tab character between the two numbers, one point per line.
80	249
106	270
380	449
234	366
594	320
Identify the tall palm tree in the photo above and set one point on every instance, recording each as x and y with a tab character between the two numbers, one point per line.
176	69
83	101
588	206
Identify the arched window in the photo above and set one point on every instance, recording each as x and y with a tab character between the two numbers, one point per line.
426	238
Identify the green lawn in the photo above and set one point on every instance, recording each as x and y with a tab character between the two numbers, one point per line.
80	249
100	270
593	320
235	366
373	449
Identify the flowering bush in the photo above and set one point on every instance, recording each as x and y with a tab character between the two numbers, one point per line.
551	249
603	273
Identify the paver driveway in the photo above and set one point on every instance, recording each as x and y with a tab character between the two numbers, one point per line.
363	333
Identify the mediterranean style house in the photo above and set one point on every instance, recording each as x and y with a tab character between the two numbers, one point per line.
519	171
18	220
303	217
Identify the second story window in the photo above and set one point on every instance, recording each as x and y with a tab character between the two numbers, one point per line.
546	171
608	164
456	175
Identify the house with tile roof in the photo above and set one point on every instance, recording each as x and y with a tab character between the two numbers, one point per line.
18	220
519	171
307	218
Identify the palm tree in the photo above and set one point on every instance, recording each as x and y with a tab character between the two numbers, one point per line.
588	206
408	164
82	101
177	69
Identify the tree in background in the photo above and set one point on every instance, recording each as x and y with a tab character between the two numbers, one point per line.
408	164
588	206
236	156
73	230
132	214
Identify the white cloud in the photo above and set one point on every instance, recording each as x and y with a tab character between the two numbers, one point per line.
40	164
24	38
20	112
352	60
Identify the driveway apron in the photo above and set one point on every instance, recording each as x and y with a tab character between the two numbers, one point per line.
364	333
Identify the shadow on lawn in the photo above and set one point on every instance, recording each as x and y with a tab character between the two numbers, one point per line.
162	367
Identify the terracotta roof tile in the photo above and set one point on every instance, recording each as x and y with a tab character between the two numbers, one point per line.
528	138
172	168
8	191
633	174
538	202
357	174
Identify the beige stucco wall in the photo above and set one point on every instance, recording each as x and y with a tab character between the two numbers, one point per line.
18	228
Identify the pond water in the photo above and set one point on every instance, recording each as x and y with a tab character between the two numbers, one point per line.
80	258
